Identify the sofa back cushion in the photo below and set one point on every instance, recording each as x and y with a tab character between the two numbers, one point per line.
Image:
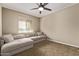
39	33
30	34
8	38
19	36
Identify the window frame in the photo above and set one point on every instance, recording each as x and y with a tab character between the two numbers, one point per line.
26	26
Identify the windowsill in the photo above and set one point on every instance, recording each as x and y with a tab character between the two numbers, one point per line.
27	32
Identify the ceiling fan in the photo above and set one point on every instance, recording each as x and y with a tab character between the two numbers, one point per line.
41	7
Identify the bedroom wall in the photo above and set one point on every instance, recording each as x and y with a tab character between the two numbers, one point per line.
63	26
10	21
0	21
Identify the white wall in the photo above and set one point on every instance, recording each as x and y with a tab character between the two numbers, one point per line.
63	26
0	21
10	21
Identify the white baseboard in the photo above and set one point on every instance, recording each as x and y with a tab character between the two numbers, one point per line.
63	43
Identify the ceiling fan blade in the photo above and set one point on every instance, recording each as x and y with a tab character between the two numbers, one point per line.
45	4
40	12
34	8
48	9
37	4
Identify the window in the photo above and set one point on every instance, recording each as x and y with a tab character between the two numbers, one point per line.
24	26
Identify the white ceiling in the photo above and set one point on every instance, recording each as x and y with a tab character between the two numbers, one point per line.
25	8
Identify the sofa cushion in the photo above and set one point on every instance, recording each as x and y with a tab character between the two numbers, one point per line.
16	44
8	38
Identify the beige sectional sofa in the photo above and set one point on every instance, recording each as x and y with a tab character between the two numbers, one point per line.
19	43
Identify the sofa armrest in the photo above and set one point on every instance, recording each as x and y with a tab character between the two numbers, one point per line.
1	41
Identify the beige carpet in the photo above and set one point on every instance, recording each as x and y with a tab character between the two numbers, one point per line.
47	48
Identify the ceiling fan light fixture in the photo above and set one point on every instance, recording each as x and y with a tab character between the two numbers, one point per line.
41	9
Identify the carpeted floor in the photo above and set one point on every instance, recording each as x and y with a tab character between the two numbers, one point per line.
47	48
